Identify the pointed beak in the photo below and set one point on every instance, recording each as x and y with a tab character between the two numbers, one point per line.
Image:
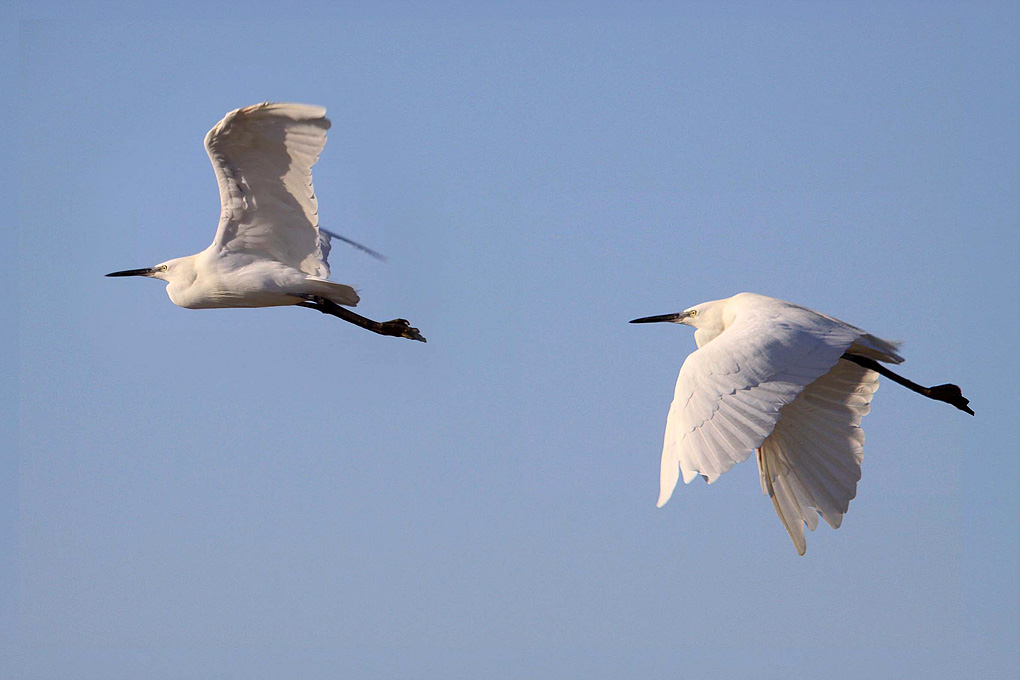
147	271
672	318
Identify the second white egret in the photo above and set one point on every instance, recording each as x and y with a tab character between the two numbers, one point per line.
787	383
269	249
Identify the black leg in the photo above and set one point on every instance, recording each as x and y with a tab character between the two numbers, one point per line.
398	328
948	393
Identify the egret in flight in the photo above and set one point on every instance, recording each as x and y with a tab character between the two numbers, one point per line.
787	383
269	249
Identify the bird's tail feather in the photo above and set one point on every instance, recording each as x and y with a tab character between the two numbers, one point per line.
340	293
878	349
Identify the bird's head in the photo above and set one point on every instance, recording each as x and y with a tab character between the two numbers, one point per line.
707	318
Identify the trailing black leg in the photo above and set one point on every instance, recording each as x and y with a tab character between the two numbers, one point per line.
948	393
398	328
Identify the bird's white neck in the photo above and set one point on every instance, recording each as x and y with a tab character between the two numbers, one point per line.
710	321
179	277
703	336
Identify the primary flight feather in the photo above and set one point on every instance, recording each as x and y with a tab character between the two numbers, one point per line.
786	383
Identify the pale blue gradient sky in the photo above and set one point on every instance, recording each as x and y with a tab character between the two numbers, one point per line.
274	493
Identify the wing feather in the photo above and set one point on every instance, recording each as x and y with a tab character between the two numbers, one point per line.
789	513
739	425
263	156
811	463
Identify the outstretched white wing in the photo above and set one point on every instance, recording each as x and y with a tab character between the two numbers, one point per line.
730	391
263	157
811	463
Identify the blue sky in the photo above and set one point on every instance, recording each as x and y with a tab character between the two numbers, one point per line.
274	493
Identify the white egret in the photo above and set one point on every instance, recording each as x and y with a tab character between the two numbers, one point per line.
269	249
789	384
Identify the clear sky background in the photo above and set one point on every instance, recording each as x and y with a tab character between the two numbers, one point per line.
275	493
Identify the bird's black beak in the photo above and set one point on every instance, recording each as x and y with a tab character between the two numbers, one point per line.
147	271
657	319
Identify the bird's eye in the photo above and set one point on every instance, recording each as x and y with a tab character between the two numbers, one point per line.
162	267
693	312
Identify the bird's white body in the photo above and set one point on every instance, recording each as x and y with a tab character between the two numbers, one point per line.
767	379
268	250
212	279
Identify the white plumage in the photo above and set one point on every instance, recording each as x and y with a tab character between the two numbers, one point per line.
263	156
268	249
767	378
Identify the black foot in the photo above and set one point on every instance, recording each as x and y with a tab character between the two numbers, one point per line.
950	394
400	328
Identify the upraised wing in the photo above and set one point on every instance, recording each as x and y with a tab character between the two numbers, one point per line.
730	391
263	157
811	463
